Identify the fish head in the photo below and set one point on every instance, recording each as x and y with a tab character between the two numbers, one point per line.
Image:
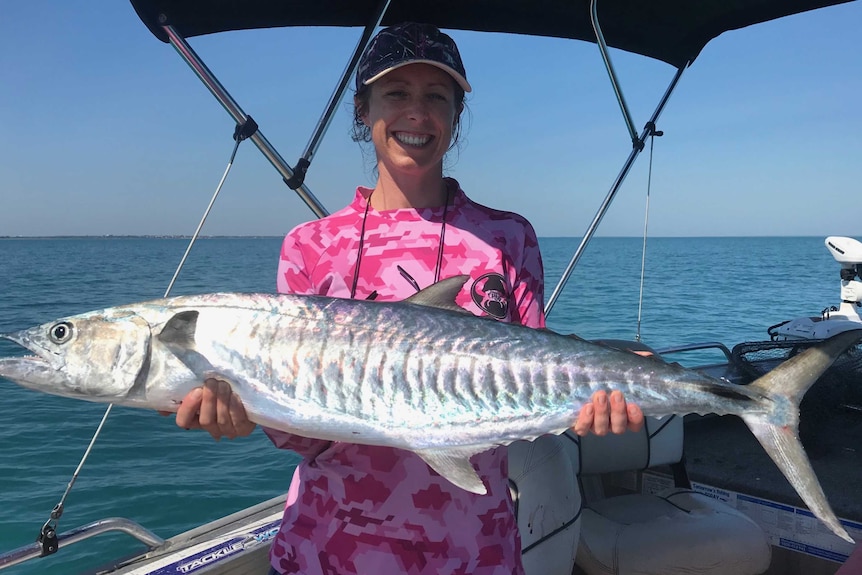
97	356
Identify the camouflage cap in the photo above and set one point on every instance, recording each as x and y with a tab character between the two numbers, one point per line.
410	43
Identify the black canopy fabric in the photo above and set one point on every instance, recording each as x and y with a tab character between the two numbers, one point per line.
674	31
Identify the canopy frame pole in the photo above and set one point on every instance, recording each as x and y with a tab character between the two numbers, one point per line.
606	58
603	208
293	177
211	82
337	96
638	144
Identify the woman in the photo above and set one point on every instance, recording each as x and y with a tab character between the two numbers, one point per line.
368	509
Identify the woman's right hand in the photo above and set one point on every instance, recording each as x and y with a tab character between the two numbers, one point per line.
215	409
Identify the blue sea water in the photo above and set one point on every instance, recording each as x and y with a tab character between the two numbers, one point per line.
143	467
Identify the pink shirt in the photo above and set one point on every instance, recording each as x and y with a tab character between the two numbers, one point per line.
369	509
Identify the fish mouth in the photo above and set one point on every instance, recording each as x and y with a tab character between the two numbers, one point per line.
19	337
23	339
31	371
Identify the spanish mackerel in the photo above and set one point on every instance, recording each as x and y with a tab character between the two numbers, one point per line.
423	374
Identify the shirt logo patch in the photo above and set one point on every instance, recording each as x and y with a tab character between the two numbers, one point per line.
489	293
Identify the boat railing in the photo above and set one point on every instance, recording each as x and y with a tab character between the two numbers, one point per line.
706	345
34	550
701	357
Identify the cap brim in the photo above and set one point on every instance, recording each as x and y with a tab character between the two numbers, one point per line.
462	81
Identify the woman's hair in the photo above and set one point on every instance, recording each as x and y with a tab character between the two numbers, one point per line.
362	133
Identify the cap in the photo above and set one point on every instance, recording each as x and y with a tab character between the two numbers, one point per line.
410	43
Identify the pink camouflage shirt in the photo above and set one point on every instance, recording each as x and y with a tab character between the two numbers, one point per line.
369	509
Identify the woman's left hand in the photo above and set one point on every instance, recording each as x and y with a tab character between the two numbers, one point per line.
602	415
214	408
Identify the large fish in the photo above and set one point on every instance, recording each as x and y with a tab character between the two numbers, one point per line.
422	375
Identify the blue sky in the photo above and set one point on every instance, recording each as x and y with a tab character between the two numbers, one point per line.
106	131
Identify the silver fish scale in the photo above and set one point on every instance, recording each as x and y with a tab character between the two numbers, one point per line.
365	360
659	388
368	361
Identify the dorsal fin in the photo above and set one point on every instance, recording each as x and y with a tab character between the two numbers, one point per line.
180	330
441	294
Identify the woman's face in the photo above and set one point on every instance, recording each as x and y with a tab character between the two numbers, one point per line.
411	113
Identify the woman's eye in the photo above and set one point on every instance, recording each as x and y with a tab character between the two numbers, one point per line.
437	97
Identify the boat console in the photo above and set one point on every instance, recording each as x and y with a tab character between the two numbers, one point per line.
832	320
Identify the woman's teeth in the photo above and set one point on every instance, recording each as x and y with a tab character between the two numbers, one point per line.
411	139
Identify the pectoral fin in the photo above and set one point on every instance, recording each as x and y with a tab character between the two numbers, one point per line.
454	465
180	330
177	335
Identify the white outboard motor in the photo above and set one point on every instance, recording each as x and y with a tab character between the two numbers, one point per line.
832	320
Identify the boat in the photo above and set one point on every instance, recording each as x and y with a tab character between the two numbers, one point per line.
847	315
668	31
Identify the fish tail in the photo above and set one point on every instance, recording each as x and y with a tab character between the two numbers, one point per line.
777	431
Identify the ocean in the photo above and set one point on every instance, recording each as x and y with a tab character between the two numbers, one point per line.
146	469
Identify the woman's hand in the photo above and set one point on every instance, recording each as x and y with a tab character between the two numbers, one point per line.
601	415
215	409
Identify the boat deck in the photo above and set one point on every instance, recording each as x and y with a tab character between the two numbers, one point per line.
721	451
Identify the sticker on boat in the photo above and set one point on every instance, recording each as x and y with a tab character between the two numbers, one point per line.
194	558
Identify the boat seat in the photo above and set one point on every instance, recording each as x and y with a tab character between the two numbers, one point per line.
675	531
547	502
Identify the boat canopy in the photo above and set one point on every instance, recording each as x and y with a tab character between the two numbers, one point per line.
673	31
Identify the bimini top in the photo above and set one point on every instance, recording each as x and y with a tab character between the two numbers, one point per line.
674	31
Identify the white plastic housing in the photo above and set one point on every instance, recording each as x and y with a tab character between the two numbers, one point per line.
845	250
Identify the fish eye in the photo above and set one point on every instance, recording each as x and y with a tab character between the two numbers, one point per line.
61	332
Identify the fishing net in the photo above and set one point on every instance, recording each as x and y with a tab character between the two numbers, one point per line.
832	408
758	357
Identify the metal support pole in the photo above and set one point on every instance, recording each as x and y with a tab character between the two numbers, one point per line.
337	97
636	150
210	81
603	48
